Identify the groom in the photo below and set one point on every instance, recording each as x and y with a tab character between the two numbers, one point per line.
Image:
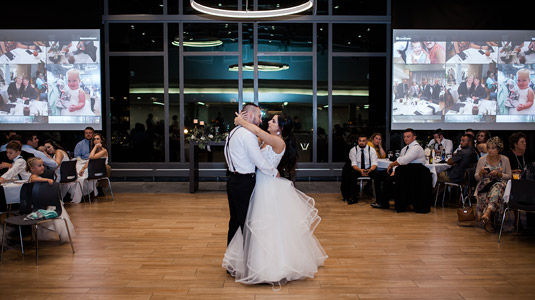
242	154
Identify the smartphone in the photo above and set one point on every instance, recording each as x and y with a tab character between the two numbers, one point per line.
29	52
482	52
487	169
462	55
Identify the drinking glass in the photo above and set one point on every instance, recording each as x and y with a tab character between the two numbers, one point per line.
516	175
397	153
390	154
448	156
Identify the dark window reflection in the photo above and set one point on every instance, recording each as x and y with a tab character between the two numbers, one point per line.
210	100
359	7
289	91
350	103
136	37
208	37
359	37
289	37
136	99
119	7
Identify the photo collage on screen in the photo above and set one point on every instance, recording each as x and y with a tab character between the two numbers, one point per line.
50	79
451	78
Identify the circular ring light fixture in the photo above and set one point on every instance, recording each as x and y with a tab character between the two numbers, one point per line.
247	14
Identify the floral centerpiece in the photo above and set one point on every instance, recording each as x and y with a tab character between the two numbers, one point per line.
202	139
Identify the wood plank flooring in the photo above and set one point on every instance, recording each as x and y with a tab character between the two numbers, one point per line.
170	246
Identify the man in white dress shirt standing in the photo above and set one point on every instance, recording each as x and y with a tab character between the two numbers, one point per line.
412	153
242	154
440	143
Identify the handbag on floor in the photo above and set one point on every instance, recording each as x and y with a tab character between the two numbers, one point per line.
466	216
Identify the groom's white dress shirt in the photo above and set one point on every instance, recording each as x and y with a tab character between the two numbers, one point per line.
242	153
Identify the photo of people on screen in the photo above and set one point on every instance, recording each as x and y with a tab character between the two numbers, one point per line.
517	52
19	95
471	52
74	90
73	52
470	96
418	93
419	52
515	90
22	52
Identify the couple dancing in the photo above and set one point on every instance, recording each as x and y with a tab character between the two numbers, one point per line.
270	237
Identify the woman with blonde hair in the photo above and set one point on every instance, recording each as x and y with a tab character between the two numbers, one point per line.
492	172
376	142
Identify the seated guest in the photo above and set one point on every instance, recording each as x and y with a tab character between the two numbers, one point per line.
83	148
518	158
410	154
492	173
440	143
376	142
5	162
17	171
363	163
481	142
31	142
98	151
469	131
57	153
462	160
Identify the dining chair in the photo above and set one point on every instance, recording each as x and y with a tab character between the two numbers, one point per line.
68	174
361	181
96	170
522	198
43	196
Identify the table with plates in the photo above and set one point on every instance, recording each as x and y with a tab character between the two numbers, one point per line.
383	163
414	106
484	107
26	108
474	56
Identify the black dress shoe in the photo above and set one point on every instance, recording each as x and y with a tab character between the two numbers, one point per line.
351	201
377	205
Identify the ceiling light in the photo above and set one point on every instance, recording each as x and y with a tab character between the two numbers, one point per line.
262	66
198	42
247	14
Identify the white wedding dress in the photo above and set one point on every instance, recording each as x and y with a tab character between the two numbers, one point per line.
278	244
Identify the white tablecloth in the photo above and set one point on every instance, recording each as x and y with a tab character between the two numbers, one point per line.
20	56
507	192
414	106
37	108
434	168
12	192
486	107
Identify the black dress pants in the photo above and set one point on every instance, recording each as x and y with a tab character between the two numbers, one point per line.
349	186
384	187
239	190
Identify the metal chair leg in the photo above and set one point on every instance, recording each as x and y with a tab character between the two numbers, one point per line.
21	243
111	191
501	227
69	233
3	240
436	194
36	246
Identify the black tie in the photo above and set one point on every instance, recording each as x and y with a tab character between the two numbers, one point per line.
407	149
362	164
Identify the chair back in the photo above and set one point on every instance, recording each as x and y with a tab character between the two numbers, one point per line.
45	195
3	204
522	195
67	171
49	173
96	168
26	205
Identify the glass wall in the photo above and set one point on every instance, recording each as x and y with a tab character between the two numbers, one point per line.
171	67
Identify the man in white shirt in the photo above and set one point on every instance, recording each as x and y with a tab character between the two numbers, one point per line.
242	154
440	143
363	160
410	154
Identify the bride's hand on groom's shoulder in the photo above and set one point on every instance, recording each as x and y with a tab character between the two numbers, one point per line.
240	118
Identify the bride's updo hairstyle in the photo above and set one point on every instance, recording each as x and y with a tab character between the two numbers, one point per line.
289	159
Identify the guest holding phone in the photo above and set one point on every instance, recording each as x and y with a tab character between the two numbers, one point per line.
492	172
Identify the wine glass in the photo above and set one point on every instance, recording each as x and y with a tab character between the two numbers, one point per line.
390	154
397	153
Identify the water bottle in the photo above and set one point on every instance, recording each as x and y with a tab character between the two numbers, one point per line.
432	156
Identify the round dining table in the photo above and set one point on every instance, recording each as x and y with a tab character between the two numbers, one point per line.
435	168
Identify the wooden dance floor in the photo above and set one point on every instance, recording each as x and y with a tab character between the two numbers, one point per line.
170	246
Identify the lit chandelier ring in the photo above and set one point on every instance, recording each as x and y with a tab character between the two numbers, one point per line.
247	14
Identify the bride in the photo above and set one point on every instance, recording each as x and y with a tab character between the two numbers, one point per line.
277	244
